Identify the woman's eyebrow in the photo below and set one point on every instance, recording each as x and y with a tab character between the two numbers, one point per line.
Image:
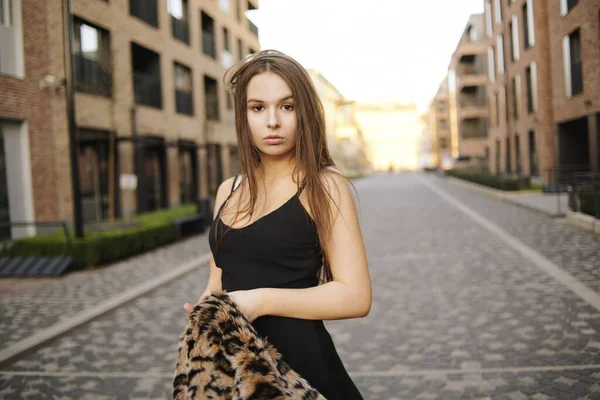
278	101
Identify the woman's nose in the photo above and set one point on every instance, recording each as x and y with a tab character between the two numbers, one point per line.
273	121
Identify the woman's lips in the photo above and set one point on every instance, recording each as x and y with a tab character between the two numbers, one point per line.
273	140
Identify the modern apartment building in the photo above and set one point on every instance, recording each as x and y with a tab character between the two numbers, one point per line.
150	103
544	85
467	80
439	125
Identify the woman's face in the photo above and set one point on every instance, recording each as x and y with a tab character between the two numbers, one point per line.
271	115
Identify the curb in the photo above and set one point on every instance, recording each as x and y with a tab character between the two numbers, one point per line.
500	195
43	336
584	221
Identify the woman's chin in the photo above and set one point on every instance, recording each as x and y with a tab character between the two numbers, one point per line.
276	152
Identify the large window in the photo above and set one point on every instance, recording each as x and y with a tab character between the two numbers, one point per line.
531	82
211	98
208	36
573	64
184	103
146	10
179	19
528	25
567	5
516	86
500	50
514	38
92	58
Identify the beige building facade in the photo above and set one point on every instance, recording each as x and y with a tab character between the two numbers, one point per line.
150	102
344	137
392	133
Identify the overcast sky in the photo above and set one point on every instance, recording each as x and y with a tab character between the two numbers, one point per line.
369	49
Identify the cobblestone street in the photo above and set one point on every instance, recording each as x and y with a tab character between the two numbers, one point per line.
465	306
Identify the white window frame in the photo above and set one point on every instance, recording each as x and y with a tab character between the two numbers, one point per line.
567	66
497	11
530	23
519	95
563	8
488	17
500	50
7	7
534	85
491	64
515	38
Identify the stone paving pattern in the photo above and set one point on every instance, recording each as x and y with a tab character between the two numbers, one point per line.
452	304
27	305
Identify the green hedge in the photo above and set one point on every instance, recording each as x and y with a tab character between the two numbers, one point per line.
586	202
97	248
497	182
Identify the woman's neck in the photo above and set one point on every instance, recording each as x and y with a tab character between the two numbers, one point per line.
273	169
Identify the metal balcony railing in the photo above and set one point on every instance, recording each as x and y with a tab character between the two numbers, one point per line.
147	89
184	102
181	29
208	44
91	77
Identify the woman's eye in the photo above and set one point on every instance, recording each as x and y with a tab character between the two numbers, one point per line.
257	108
288	107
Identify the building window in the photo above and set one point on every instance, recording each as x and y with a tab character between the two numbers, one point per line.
491	64
533	165
531	82
488	18
500	49
6	10
528	25
498	11
507	158
518	155
497	156
443	143
92	59
146	10
211	98
253	28
505	100
240	50
146	76
516	96
566	6
226	54
572	64
188	173
184	103
514	38
179	20
208	36
443	124
497	103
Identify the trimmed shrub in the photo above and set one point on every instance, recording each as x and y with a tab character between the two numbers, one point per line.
493	181
587	202
98	248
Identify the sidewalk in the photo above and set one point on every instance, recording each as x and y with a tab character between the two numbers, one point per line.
33	308
551	204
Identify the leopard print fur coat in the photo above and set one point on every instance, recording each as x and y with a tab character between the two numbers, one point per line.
221	356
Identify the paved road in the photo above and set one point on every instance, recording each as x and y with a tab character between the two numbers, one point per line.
473	299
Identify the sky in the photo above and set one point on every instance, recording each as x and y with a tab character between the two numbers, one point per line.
391	50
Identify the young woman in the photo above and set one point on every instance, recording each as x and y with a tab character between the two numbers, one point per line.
285	240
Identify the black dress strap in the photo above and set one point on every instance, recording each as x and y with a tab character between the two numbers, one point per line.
233	187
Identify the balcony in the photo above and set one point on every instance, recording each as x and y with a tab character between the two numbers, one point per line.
146	10
473	128
253	28
184	102
472	80
181	29
147	89
91	77
208	44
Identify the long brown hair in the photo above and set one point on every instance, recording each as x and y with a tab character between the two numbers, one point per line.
312	154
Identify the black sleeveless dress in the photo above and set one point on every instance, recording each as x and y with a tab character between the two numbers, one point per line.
281	250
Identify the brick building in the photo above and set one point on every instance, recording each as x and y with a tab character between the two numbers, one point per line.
150	102
543	85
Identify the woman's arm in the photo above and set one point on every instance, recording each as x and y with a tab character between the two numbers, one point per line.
348	295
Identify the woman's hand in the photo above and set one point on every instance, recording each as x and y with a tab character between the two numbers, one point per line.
249	302
189	307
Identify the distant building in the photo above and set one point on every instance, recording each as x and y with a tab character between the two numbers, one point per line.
344	136
467	108
392	133
438	123
149	88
